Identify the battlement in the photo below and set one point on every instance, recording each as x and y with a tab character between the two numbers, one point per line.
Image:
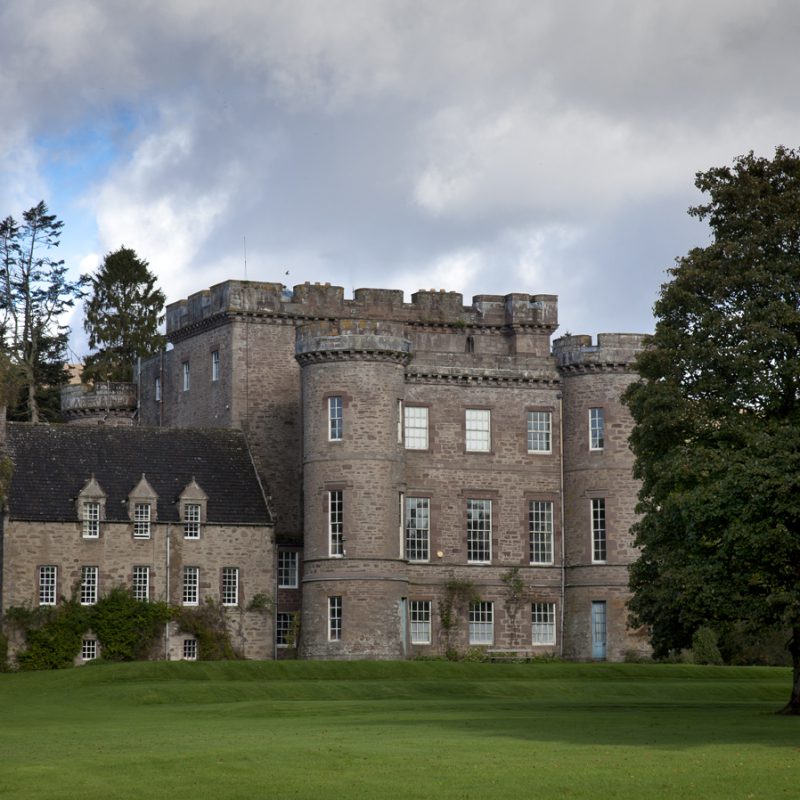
611	350
113	402
314	301
352	336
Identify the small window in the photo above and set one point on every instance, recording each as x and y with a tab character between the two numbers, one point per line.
141	583
91	520
335	524
284	629
158	390
543	623
334	619
47	585
479	531
470	345
481	623
479	430
597	429
539	435
215	365
420	618
89	649
230	586
599	551
335	419
185	376
191	585
88	586
141	520
418	528
190	649
540	527
416	428
287	569
191	520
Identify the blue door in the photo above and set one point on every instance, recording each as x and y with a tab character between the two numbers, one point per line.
599	630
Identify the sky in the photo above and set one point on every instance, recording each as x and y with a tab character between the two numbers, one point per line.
535	146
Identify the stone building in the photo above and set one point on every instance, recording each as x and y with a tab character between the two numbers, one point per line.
441	475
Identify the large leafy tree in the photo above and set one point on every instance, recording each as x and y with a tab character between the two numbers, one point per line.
122	316
717	419
34	296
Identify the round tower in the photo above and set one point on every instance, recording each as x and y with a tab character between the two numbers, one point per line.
99	404
355	582
599	494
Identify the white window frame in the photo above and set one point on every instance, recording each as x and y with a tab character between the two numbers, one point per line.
190	649
89	581
418	529
48	585
478	427
540	528
91	519
89	649
599	531
191	586
335	418
335	618
597	428
336	523
192	513
284	624
419	617
415	427
186	376
543	623
230	586
214	366
479	531
540	432
140	581
288	569
141	520
481	623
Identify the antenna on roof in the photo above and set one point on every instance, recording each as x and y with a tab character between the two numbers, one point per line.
244	240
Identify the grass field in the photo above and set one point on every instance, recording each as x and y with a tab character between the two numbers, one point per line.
410	730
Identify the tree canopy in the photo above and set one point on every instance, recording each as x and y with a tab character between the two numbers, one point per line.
717	419
122	316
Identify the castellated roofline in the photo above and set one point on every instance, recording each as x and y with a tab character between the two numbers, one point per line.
613	350
315	301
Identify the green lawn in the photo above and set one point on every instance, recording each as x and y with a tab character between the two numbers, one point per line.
412	729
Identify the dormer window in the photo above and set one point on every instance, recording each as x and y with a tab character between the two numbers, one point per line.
191	520
90	506
141	520
192	504
142	508
91	519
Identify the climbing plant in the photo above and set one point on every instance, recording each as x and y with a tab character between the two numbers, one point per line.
458	594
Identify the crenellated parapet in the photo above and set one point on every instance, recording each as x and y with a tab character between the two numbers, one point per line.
102	403
613	352
352	339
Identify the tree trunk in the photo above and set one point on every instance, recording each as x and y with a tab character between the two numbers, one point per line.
33	407
793	706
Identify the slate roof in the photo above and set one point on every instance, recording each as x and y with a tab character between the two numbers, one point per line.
52	463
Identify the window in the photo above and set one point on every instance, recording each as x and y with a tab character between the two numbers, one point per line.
420	617
335	421
47	585
416	427
598	530
190	649
287	569
479	531
215	365
158	390
597	428
481	623
88	586
89	649
91	520
185	376
191	521
543	623
230	586
191	585
334	619
479	430
540	525
418	528
141	520
335	524
539	424
141	583
284	629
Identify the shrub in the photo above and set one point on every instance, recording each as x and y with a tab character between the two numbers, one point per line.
705	649
207	624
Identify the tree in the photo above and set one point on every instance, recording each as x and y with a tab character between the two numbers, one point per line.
34	295
122	316
717	420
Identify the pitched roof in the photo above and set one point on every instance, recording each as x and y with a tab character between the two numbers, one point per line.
52	463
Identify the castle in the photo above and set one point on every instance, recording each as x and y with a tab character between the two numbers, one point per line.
436	476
